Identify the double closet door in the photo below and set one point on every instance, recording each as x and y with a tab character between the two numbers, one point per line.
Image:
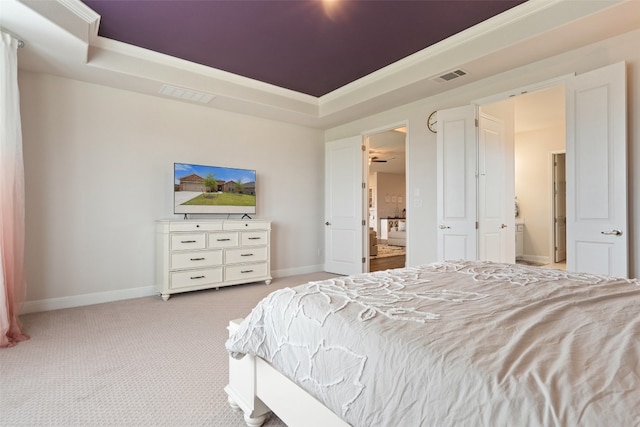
596	178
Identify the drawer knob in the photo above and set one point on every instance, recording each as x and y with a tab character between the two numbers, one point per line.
187	241
223	240
246	271
254	238
197	277
246	254
197	259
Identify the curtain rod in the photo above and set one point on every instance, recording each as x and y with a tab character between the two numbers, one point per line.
20	41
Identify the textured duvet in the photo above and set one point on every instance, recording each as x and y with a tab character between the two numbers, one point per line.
458	344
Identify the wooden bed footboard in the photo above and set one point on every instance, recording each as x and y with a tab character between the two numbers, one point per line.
257	388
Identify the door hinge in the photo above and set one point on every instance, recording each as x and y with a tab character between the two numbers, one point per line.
364	222
363	148
364	260
477	225
364	185
477	124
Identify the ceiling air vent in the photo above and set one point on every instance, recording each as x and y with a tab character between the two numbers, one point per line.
449	75
186	94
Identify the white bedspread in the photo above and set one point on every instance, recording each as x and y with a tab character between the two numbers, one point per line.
458	344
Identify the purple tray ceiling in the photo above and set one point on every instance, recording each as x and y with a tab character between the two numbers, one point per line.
299	45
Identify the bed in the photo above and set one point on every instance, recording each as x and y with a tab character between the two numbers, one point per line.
444	344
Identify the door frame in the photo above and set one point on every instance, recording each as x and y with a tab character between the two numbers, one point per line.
552	227
365	141
505	96
572	81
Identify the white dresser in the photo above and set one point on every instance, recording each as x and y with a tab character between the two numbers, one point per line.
203	254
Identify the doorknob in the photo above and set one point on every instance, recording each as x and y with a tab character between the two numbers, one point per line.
614	232
327	223
442	227
503	226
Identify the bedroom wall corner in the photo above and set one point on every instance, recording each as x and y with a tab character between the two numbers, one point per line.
99	165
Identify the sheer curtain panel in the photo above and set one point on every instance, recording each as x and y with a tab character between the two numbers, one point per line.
12	227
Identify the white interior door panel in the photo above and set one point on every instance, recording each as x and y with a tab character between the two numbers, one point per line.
456	183
596	166
344	194
494	228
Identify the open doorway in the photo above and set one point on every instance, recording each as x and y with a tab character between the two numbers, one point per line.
387	199
539	138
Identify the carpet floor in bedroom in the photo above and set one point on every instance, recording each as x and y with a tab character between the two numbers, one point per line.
137	362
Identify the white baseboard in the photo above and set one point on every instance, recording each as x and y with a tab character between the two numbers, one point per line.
85	299
286	272
109	296
538	259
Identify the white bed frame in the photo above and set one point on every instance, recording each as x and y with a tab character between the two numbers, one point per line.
257	388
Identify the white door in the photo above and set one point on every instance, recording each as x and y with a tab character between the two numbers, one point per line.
344	206
495	228
559	208
596	166
456	183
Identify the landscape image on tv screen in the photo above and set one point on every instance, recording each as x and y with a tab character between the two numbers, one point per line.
199	189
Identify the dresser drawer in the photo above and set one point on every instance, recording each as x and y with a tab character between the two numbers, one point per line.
191	278
234	256
185	241
246	271
195	226
198	259
241	225
223	240
253	238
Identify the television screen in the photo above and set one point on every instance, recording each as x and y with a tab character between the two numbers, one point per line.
199	189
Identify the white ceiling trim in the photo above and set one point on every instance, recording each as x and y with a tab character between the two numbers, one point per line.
521	23
61	37
127	50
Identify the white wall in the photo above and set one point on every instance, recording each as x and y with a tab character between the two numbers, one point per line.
421	144
391	186
99	165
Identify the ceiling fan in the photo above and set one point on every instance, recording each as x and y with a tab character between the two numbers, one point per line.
376	159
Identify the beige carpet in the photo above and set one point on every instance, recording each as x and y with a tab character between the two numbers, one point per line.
139	362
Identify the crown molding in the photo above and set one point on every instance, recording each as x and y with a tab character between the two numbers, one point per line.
62	38
521	22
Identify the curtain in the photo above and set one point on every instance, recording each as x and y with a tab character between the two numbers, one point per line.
12	228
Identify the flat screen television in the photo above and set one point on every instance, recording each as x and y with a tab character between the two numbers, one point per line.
199	189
